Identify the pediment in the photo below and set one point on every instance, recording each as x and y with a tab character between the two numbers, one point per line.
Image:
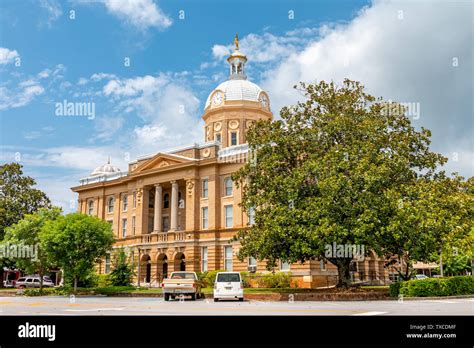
160	160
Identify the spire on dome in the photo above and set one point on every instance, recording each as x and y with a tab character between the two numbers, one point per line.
237	62
236	41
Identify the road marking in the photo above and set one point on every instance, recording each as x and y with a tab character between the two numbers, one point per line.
370	313
94	310
441	301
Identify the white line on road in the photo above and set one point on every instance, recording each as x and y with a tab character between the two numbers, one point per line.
94	310
441	301
370	313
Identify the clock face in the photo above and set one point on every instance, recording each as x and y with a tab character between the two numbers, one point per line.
263	100
217	99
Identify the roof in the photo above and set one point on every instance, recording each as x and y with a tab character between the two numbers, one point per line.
237	90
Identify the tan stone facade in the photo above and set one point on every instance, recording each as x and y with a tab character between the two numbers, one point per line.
179	209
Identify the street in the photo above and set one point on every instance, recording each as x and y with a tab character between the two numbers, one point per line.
57	305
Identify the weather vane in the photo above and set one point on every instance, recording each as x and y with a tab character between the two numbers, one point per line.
236	41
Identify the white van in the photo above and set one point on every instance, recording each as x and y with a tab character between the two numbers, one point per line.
228	285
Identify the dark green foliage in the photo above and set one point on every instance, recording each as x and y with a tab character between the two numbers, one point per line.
452	286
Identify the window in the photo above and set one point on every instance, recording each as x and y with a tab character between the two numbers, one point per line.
205	188
228	186
284	266
229	215
166	223
323	265
204	259
90	207
228	278
133	225
233	138
205	219
228	258
125	202
110	205
107	264
218	137
251	215
252	261
166	201
134	199
124	228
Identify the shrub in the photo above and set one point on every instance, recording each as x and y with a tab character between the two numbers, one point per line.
208	278
395	288
275	280
103	280
122	272
459	285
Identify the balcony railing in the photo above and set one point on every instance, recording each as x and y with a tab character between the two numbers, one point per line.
161	237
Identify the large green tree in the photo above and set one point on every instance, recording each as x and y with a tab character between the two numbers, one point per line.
430	218
18	197
76	242
26	233
321	174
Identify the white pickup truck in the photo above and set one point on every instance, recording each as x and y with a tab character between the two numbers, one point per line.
181	283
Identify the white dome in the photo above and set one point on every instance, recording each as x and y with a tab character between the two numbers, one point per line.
238	89
105	169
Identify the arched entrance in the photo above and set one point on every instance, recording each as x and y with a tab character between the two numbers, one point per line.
179	262
145	268
162	267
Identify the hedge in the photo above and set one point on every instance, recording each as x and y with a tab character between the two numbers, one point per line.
450	286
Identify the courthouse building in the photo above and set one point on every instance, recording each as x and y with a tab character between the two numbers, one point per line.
179	209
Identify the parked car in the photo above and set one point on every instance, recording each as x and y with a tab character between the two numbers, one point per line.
10	278
420	276
228	285
33	282
181	283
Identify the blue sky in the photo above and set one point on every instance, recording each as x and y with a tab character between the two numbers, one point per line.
407	51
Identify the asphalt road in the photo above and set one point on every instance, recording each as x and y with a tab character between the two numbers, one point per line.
56	305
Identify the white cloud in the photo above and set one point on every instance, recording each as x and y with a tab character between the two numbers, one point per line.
7	56
408	60
20	97
142	14
108	126
54	10
220	51
81	159
169	109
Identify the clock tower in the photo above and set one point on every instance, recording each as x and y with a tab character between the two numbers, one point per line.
234	105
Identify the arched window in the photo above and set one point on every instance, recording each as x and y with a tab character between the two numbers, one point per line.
228	186
90	207
166	201
110	205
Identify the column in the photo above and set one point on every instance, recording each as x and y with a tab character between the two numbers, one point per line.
158	206
174	206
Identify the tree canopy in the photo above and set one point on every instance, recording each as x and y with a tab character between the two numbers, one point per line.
77	242
26	232
17	196
326	172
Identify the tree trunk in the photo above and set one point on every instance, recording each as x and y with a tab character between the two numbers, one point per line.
75	284
343	272
41	280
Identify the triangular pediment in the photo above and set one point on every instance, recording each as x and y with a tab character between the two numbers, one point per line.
160	160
